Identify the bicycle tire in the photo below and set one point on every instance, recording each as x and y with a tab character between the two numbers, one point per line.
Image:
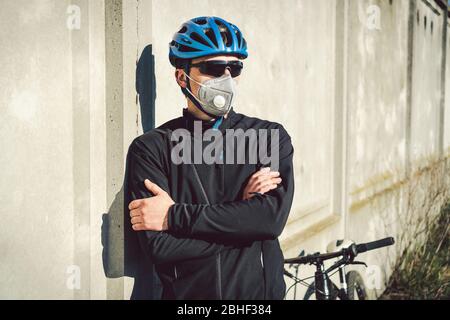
355	284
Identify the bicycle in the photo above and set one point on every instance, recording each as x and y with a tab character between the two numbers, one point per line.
351	283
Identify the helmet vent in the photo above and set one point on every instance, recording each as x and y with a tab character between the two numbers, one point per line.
225	33
210	34
200	21
187	49
195	36
182	30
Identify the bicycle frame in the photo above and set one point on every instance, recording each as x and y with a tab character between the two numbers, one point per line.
322	282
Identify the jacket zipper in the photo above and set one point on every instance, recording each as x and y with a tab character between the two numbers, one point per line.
218	266
197	177
262	261
219	277
263	271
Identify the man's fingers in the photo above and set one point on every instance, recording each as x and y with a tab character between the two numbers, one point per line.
138	227
268	177
264	175
135	204
268	188
153	187
261	171
137	219
135	213
276	180
264	180
268	182
261	182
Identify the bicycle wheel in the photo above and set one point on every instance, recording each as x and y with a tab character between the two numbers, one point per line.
311	291
355	285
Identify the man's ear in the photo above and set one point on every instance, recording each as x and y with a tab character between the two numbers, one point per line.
181	78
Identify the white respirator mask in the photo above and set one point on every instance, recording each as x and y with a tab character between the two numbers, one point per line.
216	95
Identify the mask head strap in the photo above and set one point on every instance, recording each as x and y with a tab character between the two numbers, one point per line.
187	91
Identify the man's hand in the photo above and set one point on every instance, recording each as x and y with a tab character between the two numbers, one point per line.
151	213
262	181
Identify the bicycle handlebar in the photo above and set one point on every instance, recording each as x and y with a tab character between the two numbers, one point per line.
313	257
363	247
353	250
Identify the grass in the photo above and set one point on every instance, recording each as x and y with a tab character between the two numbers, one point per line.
424	273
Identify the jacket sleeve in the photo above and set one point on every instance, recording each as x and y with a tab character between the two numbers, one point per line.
160	247
258	218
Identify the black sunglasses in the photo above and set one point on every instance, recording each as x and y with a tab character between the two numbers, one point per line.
216	68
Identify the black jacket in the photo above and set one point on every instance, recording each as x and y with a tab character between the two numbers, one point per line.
218	246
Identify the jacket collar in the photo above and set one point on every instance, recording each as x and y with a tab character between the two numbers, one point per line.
189	119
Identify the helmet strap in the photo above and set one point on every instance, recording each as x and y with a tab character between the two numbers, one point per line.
190	96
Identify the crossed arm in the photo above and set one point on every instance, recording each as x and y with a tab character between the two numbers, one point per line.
170	231
161	247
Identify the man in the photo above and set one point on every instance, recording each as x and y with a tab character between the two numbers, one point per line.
211	228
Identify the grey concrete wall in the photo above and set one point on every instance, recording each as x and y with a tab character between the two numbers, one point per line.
37	230
360	85
395	179
426	83
69	112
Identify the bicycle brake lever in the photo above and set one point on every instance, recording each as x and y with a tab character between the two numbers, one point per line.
301	254
359	262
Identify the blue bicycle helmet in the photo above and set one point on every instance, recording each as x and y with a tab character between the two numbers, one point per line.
205	36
